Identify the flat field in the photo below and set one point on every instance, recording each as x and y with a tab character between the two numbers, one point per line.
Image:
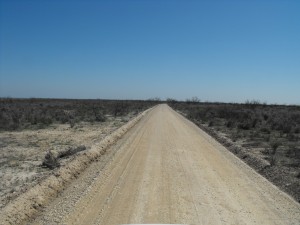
29	128
157	168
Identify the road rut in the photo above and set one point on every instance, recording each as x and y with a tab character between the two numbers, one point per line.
167	170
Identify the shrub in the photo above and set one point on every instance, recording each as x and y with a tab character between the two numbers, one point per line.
265	130
50	161
18	113
244	125
229	124
274	146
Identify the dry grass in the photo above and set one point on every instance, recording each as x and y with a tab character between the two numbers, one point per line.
22	152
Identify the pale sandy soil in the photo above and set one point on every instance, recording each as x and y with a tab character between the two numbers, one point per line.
22	152
166	170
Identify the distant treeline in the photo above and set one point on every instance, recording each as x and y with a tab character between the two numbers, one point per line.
246	116
37	113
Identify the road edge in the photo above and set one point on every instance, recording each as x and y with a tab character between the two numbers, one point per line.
219	141
29	204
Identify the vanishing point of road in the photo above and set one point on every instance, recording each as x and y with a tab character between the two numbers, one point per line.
167	170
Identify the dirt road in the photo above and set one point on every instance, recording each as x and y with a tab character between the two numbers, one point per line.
166	170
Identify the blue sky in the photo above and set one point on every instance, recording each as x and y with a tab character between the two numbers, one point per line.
218	50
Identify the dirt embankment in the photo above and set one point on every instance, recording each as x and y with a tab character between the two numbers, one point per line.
22	152
30	203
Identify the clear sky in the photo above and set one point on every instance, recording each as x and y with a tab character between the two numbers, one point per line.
215	49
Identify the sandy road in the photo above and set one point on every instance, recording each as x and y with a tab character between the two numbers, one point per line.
166	170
